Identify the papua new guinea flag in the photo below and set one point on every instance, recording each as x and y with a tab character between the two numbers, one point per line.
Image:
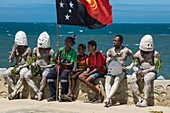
89	13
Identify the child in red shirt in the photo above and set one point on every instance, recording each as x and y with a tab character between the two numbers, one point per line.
82	63
96	68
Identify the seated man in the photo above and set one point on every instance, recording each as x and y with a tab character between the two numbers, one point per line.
116	62
21	52
43	57
146	57
96	68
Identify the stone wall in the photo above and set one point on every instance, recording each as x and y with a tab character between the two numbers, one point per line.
160	94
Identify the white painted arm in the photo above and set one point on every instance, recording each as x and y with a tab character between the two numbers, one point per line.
130	66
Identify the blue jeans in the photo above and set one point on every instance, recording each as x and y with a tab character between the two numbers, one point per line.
52	75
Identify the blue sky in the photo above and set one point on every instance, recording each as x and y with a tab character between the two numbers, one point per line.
124	11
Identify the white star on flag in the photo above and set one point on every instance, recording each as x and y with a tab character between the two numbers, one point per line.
69	11
67	17
71	4
61	4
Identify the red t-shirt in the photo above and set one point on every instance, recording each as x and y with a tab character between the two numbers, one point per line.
97	60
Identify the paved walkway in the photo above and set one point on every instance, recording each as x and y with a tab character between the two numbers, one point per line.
33	106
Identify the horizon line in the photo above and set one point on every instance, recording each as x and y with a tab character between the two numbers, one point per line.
111	24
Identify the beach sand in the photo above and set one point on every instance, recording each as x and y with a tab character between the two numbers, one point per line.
33	106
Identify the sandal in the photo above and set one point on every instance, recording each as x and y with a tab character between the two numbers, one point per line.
91	101
66	98
74	97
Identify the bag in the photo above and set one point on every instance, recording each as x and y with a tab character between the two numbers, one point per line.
114	68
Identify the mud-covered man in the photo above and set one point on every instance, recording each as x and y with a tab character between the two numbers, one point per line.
145	58
21	52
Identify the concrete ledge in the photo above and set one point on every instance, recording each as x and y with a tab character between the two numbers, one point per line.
121	96
160	94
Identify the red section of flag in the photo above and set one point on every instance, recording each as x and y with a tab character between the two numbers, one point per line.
101	10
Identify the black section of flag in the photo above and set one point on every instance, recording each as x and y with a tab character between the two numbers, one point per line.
71	12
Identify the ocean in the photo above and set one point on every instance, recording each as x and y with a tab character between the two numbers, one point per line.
132	34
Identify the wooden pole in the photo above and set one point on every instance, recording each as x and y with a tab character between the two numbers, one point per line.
58	72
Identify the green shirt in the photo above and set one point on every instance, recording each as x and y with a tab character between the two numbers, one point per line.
70	55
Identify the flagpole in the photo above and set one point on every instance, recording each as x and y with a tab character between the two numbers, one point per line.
58	31
58	72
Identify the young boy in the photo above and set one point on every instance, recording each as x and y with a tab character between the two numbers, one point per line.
66	57
96	68
82	60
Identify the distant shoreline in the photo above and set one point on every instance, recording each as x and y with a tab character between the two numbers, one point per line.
68	25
